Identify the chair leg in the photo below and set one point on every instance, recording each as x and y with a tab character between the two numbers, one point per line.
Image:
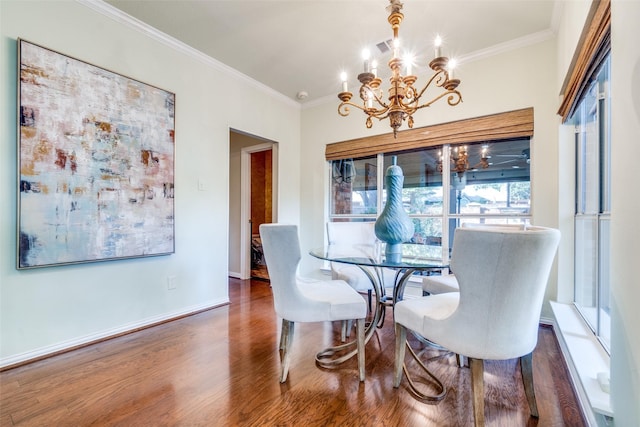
477	389
346	329
283	334
401	339
343	331
361	344
285	345
461	360
526	368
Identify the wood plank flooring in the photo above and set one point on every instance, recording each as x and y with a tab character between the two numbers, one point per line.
221	367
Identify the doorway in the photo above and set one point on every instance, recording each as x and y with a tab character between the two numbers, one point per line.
261	207
252	201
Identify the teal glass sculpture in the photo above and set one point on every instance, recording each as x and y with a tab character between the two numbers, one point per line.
394	226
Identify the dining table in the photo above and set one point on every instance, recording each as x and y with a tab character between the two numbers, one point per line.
371	260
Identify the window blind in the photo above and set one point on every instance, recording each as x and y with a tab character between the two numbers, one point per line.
594	44
494	127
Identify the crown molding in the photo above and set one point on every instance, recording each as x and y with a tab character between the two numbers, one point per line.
510	45
117	15
321	101
120	17
556	16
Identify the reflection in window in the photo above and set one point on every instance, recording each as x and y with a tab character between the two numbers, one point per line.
444	186
354	186
496	181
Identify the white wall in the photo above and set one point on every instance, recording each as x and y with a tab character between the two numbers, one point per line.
625	227
572	17
47	309
504	82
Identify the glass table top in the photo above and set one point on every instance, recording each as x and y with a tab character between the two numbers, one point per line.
413	255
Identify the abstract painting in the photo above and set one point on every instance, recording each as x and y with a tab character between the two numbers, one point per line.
95	161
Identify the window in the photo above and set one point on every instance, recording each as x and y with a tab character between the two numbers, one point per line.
493	187
593	203
354	187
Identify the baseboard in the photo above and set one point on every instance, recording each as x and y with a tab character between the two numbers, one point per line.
235	275
69	345
547	321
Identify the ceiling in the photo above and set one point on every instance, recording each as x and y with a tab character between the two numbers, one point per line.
293	46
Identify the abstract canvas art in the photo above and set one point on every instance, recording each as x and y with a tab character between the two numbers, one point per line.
95	161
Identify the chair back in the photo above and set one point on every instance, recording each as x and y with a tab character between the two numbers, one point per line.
281	249
520	226
356	239
502	276
351	233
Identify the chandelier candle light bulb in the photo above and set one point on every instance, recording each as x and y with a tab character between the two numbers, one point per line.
438	46
408	59
403	98
396	47
366	55
451	66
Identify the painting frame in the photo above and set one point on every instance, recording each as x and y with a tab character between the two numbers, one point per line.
95	163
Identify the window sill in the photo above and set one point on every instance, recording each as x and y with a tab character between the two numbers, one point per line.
585	356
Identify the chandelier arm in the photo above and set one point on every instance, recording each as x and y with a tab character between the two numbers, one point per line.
439	79
380	115
343	108
453	99
380	101
410	107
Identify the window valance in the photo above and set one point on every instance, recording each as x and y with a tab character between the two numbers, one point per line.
594	44
512	124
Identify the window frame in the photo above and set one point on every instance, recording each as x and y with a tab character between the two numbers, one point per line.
448	219
597	274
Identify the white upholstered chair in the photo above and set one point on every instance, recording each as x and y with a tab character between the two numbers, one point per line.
350	234
433	285
502	276
300	300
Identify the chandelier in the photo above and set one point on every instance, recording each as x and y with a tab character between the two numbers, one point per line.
403	98
459	157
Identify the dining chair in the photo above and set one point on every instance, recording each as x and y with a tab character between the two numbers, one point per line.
502	276
350	235
440	284
300	300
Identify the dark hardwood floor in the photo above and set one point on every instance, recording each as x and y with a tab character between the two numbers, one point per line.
220	368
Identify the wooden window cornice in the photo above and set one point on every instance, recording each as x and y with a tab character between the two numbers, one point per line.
494	127
593	45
